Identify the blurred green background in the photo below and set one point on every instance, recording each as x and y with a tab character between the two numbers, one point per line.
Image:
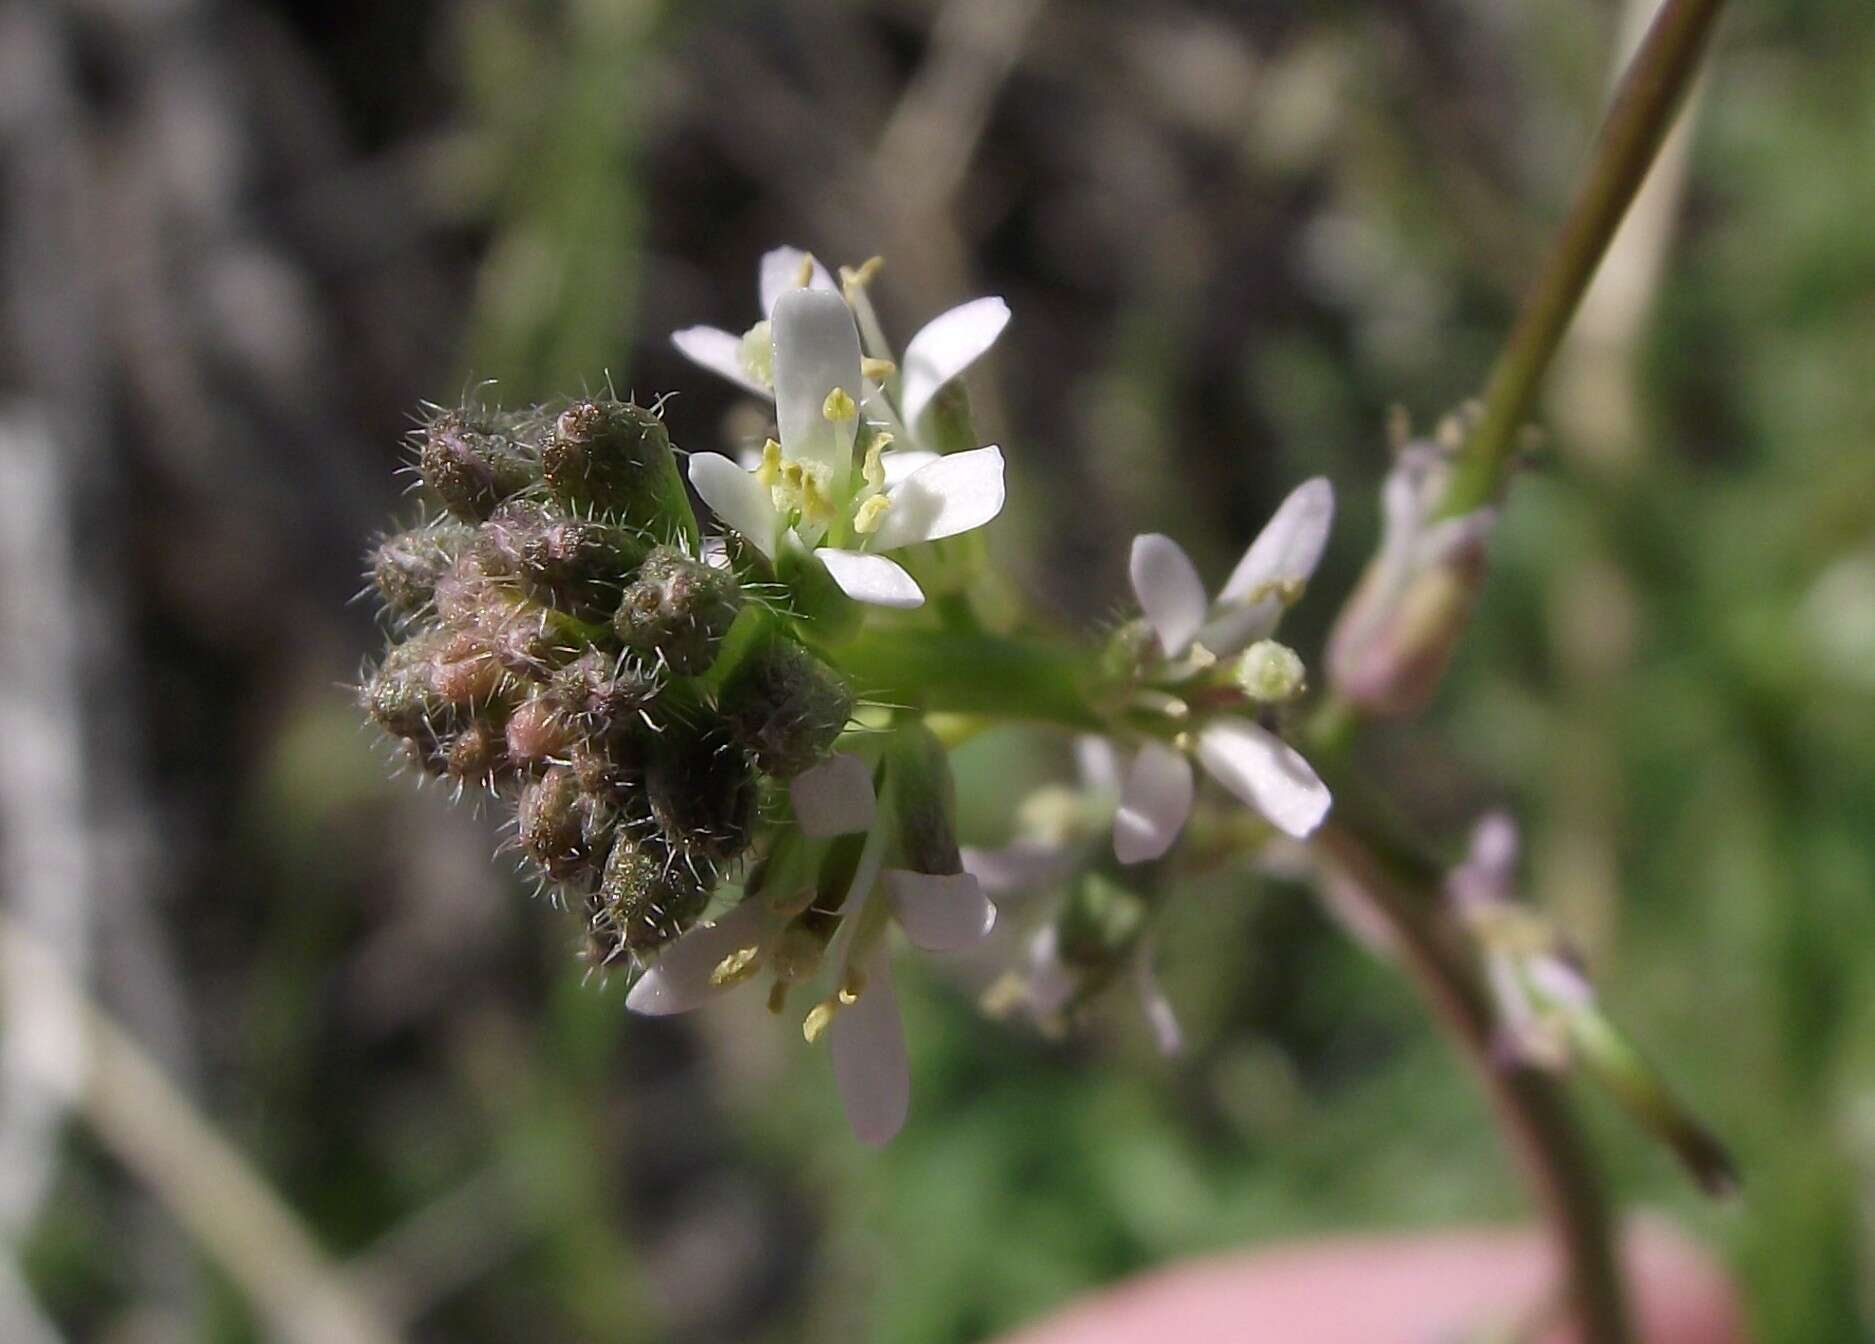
239	243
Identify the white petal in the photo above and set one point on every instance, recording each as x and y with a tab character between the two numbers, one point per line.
946	346
816	350
1154	804
679	979
736	497
834	797
943	498
781	272
1021	865
871	578
939	913
1098	763
1051	984
900	463
1169	590
719	351
1265	772
1290	545
1157	1008
1234	627
867	1042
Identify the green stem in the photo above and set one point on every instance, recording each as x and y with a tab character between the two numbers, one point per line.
955	672
1637	123
1400	890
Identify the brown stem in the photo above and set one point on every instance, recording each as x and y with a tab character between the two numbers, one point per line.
1529	1104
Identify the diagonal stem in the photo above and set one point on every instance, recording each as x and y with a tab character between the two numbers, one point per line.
1637	122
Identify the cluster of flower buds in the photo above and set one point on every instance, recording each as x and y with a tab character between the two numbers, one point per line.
559	641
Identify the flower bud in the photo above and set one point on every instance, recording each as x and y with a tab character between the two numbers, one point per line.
573	564
702	793
602	696
538	732
1390	645
924	801
550	825
406	568
677	610
401	696
470	465
646	897
612	459
478	755
785	706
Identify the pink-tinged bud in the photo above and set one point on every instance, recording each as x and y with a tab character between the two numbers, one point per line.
478	755
466	671
1390	645
575	565
470	465
601	695
538	733
406	568
401	696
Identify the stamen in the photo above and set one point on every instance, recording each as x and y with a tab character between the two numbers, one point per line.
877	370
839	406
871	513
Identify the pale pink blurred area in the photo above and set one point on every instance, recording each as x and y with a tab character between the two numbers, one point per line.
1397	1290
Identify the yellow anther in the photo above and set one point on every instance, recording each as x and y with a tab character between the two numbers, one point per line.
804	274
818	1018
862	274
852	986
817	508
873	469
878	370
839	406
1185	742
769	471
736	967
871	513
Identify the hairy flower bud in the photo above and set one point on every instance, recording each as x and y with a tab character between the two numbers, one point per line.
470	464
702	792
612	459
646	897
401	695
550	825
677	610
538	733
573	564
406	568
785	706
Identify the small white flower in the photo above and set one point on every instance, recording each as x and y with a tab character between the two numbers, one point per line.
938	354
1048	986
807	490
1192	631
938	913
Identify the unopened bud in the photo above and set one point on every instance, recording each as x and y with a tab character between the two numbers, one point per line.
785	706
702	793
401	696
612	459
677	611
550	825
646	896
537	733
471	465
406	568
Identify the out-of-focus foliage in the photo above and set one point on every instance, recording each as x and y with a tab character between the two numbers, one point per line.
1232	236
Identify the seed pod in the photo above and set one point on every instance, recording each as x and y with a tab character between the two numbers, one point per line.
646	897
471	465
550	825
613	459
405	568
701	791
677	610
785	706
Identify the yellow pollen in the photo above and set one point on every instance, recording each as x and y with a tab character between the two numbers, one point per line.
736	967
818	1018
878	370
804	276
839	406
871	513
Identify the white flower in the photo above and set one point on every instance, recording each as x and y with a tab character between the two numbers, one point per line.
1049	986
808	491
938	354
1192	631
938	913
